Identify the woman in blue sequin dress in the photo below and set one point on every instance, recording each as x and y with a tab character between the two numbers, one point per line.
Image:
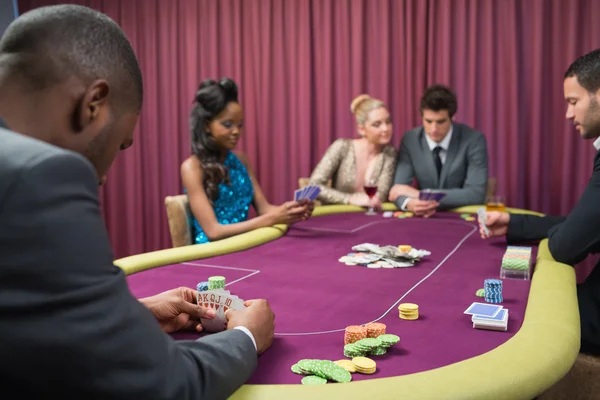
219	181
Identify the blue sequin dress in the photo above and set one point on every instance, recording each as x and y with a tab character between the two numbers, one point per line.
234	199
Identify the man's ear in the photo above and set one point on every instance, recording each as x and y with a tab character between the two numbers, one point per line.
90	105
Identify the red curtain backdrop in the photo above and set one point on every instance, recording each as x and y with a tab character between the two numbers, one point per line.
299	63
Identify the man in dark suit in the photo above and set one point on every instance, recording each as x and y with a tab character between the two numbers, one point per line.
572	238
440	154
70	95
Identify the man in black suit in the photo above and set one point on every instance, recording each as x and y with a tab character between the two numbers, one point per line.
70	95
441	154
572	238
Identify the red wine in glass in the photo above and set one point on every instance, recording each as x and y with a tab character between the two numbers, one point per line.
370	190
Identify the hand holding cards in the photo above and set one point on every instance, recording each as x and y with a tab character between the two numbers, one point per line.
309	192
482	217
212	294
431	194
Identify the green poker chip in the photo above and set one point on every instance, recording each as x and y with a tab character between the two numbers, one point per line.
379	351
480	293
216	282
313	380
333	371
388	339
519	264
297	370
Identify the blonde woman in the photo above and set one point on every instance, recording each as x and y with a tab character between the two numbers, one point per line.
356	166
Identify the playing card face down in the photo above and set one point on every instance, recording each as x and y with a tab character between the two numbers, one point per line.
483	309
309	192
431	194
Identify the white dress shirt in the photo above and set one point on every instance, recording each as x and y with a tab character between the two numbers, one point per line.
597	144
247	332
444	144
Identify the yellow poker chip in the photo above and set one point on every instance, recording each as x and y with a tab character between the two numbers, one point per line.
404	248
408	307
470	219
347	365
409	317
408	214
364	363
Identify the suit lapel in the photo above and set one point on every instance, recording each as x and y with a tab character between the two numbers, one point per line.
450	155
428	158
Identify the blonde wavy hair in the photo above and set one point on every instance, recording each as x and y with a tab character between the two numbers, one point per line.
362	105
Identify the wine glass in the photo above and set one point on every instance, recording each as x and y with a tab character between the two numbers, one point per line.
370	189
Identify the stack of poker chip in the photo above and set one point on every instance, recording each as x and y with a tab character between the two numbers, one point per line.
354	333
216	282
409	311
493	291
517	258
320	371
371	346
375	329
202	287
364	365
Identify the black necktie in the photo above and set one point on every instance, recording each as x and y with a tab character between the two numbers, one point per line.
437	160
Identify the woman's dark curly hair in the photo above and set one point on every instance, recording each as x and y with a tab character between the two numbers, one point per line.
211	98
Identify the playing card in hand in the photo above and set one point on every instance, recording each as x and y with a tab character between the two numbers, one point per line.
431	194
309	192
219	300
482	216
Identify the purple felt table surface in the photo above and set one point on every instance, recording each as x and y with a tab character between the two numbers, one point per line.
314	296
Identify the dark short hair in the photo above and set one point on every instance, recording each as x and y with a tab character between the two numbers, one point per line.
51	44
437	98
587	71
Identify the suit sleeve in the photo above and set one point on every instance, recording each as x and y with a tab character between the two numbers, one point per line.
404	173
475	185
526	228
325	170
74	306
578	235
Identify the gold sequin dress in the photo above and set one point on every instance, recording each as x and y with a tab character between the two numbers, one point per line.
338	165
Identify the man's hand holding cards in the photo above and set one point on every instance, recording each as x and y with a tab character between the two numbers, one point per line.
431	194
221	301
212	295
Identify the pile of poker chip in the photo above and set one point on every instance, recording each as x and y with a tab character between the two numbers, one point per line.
517	258
374	256
408	311
370	339
318	372
493	291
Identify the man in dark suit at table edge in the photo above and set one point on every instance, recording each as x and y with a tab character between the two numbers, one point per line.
572	238
70	95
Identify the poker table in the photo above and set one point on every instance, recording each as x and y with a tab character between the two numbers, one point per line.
315	297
